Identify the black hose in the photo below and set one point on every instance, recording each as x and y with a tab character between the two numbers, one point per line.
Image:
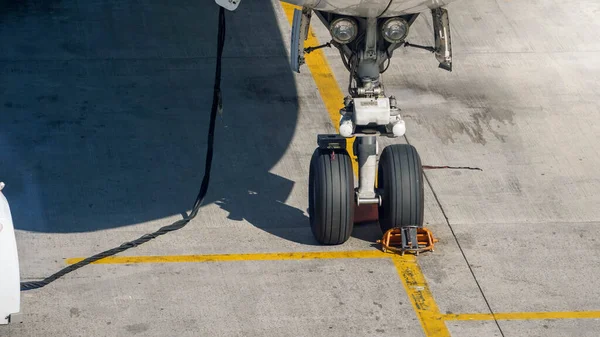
199	199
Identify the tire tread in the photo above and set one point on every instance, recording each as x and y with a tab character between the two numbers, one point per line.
332	211
401	168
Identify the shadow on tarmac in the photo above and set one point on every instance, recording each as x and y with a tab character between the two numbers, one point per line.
105	104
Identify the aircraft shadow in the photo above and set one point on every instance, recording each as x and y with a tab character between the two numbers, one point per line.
105	106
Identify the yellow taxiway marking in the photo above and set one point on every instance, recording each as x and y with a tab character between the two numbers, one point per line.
421	298
328	87
523	316
360	254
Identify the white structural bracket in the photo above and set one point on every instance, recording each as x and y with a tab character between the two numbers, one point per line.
300	26
229	5
10	288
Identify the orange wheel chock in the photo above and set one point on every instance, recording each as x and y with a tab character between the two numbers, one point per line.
410	239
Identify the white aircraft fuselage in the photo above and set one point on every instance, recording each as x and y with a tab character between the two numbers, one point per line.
371	8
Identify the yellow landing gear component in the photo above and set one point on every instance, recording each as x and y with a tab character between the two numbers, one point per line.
411	239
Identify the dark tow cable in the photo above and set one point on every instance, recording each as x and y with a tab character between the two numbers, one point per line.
216	106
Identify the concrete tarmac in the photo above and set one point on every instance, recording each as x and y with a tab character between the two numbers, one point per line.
104	108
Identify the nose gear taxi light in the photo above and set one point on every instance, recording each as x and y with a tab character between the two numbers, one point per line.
394	30
410	239
343	30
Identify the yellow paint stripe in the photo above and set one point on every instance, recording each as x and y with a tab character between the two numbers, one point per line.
360	254
523	316
421	298
328	87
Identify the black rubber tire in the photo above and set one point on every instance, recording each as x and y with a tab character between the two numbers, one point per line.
400	182
331	196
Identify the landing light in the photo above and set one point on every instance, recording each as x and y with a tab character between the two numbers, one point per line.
343	30
395	30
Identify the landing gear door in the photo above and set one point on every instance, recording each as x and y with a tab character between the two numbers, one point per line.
443	41
300	27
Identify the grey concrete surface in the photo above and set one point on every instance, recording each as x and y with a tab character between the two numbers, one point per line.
474	329
543	269
274	298
521	104
103	114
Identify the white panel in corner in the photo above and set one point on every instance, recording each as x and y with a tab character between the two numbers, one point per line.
10	289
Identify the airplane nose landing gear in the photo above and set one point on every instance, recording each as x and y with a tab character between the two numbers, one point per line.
398	174
333	198
392	181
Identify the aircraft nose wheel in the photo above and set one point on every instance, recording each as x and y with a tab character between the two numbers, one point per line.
331	196
400	184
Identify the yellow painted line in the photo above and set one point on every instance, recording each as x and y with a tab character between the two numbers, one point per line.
328	87
359	254
523	316
421	298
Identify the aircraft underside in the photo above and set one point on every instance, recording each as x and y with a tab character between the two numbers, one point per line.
371	8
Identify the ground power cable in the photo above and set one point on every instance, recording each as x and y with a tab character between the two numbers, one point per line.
216	107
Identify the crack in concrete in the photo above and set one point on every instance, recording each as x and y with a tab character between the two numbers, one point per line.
433	167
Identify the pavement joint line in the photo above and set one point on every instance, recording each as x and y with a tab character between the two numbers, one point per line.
464	255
